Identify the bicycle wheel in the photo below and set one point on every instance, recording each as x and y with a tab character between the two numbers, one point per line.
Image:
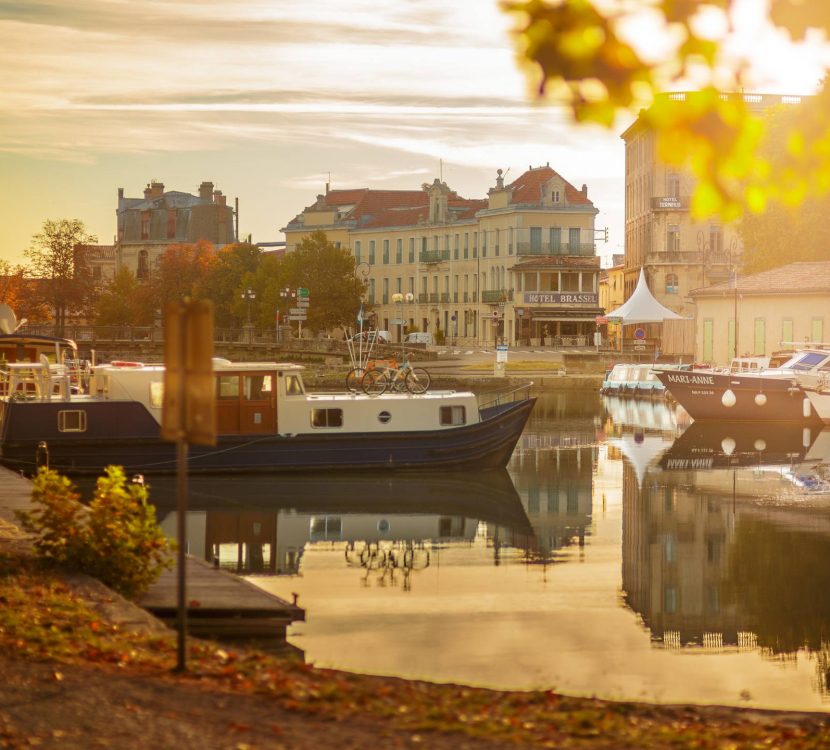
397	381
417	380
353	378
374	382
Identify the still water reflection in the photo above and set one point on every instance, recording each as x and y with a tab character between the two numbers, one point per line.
625	554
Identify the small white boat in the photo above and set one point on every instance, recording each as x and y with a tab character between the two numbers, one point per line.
635	380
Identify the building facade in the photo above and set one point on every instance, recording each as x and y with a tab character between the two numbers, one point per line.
678	252
766	312
147	226
518	265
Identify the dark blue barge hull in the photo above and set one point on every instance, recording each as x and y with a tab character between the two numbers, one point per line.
131	440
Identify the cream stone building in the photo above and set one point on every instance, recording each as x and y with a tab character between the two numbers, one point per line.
766	312
519	265
679	253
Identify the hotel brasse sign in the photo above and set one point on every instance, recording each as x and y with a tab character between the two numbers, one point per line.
561	298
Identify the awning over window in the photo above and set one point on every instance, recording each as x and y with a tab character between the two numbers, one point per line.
581	315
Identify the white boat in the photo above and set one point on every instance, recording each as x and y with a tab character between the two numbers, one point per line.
265	420
760	395
636	379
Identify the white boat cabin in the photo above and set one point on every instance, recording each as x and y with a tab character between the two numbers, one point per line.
271	398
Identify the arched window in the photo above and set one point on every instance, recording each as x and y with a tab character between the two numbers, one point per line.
672	283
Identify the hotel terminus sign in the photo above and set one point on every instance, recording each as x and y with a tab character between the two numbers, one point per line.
561	298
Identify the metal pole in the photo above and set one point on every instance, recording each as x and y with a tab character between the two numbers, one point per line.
181	503
735	312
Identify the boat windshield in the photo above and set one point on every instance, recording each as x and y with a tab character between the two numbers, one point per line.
806	361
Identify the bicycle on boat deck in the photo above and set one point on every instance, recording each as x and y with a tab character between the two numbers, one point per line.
404	377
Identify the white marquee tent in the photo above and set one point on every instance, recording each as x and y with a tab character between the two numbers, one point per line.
641	307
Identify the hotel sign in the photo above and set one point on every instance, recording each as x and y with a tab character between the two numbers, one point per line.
561	298
669	202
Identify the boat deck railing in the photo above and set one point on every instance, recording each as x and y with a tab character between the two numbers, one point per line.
520	393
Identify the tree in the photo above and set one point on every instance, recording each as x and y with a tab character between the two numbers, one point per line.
17	291
578	54
125	301
181	272
234	270
795	228
64	283
328	272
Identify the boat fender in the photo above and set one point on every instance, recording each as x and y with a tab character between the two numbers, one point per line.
806	437
728	399
760	444
806	407
123	363
727	446
42	455
761	399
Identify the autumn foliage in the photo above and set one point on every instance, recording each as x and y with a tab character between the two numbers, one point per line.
115	539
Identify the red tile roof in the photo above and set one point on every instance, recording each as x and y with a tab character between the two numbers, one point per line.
389	208
794	278
528	187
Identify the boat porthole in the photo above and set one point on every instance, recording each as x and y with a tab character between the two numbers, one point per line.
384	417
383	525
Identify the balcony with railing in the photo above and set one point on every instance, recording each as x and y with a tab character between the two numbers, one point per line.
433	256
494	296
585	249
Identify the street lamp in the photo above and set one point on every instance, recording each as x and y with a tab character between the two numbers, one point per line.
249	295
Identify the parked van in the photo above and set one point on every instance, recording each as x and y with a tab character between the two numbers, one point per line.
419	337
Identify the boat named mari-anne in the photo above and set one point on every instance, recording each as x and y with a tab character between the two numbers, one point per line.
773	394
266	421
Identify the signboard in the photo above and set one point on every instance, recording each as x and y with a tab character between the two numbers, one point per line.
639	347
601	320
302	302
639	333
561	298
670	202
298	316
501	353
297	311
302	292
397	322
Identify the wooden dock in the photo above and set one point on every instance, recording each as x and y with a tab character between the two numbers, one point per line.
220	604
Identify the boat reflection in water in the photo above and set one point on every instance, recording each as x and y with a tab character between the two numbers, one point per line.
385	522
726	545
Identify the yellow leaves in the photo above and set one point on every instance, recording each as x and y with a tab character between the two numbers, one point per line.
797	16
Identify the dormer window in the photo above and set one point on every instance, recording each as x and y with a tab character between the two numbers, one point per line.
554	196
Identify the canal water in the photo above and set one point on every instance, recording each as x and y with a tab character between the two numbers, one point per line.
625	553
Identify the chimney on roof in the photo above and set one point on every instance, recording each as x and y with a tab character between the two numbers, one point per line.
120	193
218	198
147	191
206	191
156	189
584	190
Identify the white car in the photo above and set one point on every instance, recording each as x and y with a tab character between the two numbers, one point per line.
382	337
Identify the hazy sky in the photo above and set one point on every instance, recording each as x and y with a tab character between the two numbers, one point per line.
267	98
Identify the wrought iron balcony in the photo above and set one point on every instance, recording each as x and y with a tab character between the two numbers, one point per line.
546	248
433	256
494	296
